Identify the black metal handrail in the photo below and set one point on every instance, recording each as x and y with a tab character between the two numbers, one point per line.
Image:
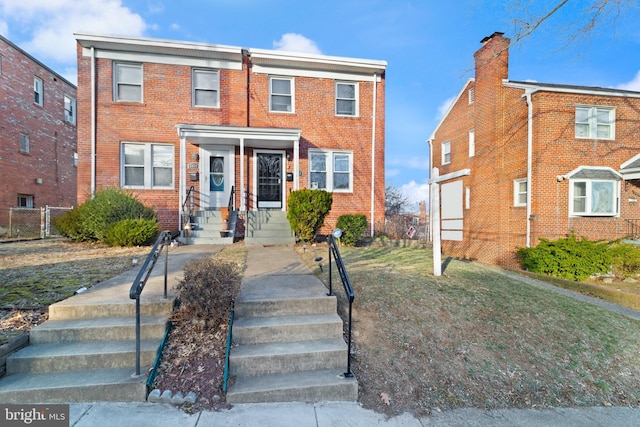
163	240
232	199
186	214
633	228
348	289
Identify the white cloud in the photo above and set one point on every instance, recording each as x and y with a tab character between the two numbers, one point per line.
444	107
633	84
175	26
297	43
415	192
55	21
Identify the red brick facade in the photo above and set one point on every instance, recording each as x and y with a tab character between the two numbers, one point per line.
509	119
243	107
42	173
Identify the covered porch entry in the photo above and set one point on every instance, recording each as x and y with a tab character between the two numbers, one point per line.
234	170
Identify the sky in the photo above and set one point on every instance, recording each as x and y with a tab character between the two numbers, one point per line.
428	45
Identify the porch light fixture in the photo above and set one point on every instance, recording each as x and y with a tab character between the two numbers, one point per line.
288	157
195	156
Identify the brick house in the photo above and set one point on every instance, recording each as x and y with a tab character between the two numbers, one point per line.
38	140
544	161
243	127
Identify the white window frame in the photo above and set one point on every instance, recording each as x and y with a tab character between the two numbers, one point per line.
519	193
69	110
147	165
472	95
27	199
117	83
591	122
446	152
215	88
25	143
330	163
472	143
589	199
355	99
290	95
38	91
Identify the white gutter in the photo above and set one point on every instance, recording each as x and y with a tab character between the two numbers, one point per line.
93	121
373	153
430	142
529	101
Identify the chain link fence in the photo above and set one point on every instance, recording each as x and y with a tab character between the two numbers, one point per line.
29	223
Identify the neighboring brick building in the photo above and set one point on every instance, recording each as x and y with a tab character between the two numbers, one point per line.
160	116
38	142
545	161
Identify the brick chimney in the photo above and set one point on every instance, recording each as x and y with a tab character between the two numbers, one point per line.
492	59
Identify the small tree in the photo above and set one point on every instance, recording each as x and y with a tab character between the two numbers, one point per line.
307	210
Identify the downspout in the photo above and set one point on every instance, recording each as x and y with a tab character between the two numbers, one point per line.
529	101
373	152
93	121
430	233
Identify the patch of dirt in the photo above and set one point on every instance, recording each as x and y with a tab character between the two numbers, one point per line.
13	322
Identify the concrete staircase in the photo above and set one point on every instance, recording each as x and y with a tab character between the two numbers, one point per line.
288	342
212	227
268	227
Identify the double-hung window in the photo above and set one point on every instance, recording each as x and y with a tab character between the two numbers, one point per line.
594	192
281	94
25	144
127	82
206	88
331	170
446	153
472	143
147	165
346	99
25	201
38	91
69	110
595	122
520	192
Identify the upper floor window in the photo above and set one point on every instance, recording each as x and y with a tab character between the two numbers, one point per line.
520	192
472	143
281	94
472	95
331	170
69	110
127	82
446	153
147	165
206	88
346	99
25	201
595	122
25	145
38	91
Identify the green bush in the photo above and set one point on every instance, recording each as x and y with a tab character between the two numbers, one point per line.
307	210
625	259
70	225
207	289
132	232
352	226
567	258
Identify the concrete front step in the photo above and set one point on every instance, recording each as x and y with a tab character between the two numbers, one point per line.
96	385
66	310
97	329
59	357
257	330
285	357
307	386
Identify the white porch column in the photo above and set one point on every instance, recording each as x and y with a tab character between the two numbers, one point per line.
243	191
296	166
182	180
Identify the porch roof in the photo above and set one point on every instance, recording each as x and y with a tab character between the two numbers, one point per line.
232	135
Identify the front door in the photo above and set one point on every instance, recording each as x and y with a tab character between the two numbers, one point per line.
217	176
269	180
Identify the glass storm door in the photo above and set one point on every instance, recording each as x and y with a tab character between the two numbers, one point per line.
269	180
217	177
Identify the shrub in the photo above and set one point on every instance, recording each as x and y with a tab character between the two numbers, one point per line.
207	289
352	226
567	258
69	224
307	210
132	232
625	259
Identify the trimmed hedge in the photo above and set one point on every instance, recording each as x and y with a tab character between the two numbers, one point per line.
352	226
132	232
307	210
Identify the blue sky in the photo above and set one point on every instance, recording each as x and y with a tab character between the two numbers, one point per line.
428	45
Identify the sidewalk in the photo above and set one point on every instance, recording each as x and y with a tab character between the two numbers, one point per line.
283	260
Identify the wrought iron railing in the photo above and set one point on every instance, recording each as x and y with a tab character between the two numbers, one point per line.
633	228
187	210
163	241
232	199
348	289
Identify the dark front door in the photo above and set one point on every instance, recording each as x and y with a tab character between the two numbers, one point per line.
269	180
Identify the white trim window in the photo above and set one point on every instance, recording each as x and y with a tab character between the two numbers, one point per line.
146	165
127	82
594	197
347	99
446	152
281	94
595	122
520	192
472	95
38	91
69	110
331	170
25	201
205	88
25	143
472	143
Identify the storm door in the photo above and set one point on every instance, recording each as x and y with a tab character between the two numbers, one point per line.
269	180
